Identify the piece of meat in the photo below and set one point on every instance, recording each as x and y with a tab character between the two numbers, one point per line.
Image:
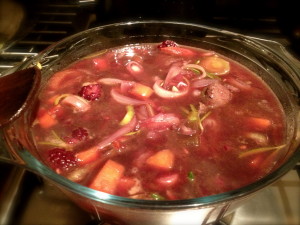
216	95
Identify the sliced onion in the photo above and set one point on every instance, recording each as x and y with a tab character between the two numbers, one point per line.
199	83
126	86
119	133
197	67
122	99
160	91
173	72
78	103
142	113
209	53
186	130
110	81
134	68
161	121
240	84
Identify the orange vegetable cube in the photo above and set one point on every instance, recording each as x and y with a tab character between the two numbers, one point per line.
108	177
87	156
101	64
259	123
45	119
163	159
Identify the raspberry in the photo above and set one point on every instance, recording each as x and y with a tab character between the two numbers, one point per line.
167	43
80	134
61	159
90	92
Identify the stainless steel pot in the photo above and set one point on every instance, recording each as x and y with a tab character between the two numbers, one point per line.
266	58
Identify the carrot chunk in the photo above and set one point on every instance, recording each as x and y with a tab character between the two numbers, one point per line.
108	177
101	64
45	119
215	65
163	159
259	123
87	156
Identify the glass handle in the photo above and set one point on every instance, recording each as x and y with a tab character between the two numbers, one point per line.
280	50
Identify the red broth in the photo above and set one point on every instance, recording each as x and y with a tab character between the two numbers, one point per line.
159	121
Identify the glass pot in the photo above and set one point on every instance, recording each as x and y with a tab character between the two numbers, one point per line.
266	58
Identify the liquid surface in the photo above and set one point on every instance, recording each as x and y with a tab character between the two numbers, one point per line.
159	121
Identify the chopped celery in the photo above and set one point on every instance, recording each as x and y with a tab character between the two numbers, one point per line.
59	98
212	76
156	196
129	115
191	176
194	70
54	144
133	132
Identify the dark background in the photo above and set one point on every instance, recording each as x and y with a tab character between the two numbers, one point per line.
275	18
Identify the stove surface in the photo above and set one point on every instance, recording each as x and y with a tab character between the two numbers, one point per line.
38	202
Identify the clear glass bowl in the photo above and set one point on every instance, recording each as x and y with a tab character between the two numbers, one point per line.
266	58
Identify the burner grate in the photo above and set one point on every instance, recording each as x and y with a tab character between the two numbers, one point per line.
55	22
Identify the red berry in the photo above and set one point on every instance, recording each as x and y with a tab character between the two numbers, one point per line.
70	140
59	158
90	92
80	134
167	43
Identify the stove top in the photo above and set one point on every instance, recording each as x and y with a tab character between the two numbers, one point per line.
27	199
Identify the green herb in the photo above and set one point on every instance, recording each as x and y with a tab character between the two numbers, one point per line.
212	76
191	176
193	114
156	196
203	118
259	150
55	141
193	69
133	132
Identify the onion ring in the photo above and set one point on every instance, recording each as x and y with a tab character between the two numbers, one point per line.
197	67
122	99
160	91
